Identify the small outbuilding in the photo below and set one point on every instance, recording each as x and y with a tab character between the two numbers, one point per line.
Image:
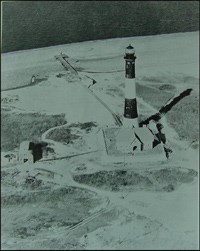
26	152
145	136
30	152
126	140
136	139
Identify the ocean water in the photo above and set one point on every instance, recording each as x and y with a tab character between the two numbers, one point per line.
35	24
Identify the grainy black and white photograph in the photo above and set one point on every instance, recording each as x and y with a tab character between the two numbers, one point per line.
100	125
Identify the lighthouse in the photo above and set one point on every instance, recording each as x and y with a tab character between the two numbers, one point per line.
130	107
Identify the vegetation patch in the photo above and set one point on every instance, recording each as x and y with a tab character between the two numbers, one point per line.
62	135
113	180
65	135
149	94
87	126
172	78
63	194
167	87
16	128
63	207
157	180
183	117
9	99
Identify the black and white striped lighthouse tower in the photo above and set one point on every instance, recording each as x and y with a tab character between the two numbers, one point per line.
130	108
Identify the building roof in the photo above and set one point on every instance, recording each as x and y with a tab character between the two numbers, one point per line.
125	135
144	134
26	145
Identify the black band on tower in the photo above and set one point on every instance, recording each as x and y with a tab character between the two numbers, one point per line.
130	109
130	69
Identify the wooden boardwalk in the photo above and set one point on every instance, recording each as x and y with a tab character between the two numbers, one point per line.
62	58
69	156
65	63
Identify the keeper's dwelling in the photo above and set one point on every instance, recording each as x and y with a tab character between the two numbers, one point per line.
26	152
129	140
30	152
